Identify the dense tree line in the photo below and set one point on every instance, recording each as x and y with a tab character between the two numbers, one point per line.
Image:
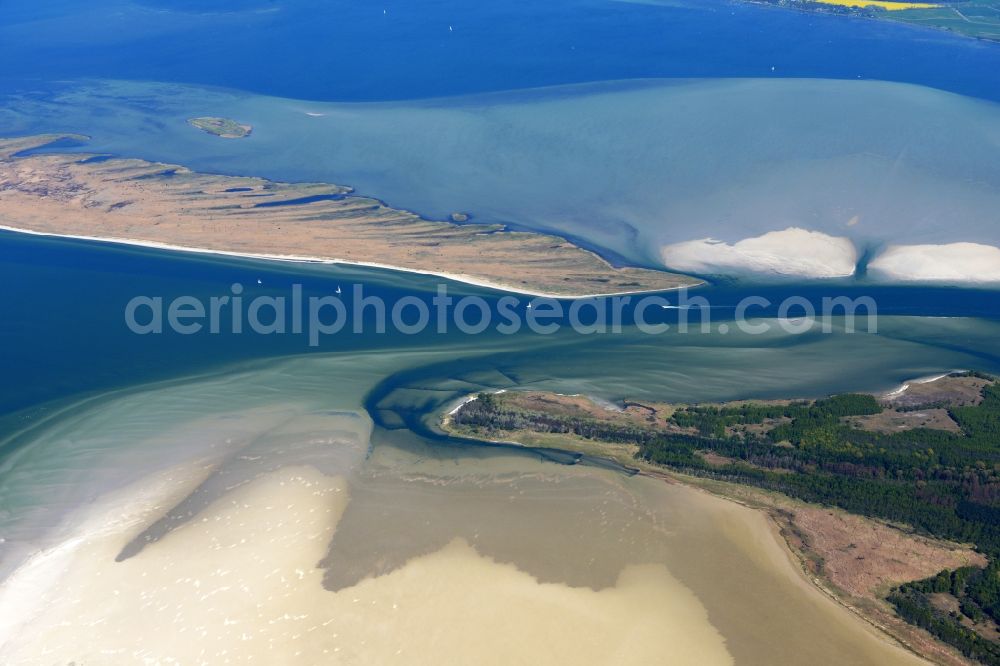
915	608
978	594
712	421
944	484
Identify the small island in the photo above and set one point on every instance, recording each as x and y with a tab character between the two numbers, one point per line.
889	501
221	127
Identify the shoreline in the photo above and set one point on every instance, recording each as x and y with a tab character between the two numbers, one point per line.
28	583
36	572
780	513
905	385
871	17
797	557
307	259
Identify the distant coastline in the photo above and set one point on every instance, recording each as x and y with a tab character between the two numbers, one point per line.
943	15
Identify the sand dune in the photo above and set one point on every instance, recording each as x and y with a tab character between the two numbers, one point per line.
949	263
790	253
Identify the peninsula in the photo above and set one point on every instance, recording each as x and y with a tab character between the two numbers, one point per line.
875	494
164	205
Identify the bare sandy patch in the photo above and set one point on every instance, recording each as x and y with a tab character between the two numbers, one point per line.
864	557
890	420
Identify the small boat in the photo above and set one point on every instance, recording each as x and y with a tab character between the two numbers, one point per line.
338	289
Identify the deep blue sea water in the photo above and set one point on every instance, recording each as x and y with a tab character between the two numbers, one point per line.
393	50
63	330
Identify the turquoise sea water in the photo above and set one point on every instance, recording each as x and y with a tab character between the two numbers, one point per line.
64	329
531	114
626	126
90	407
623	125
625	167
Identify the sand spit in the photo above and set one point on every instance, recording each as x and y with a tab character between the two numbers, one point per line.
168	206
466	279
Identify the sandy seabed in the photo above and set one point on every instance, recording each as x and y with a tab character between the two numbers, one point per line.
241	584
257	517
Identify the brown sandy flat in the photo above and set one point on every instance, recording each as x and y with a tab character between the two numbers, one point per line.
924	405
865	557
65	194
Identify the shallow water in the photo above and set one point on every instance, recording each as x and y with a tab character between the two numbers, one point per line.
318	485
59	455
628	167
301	502
556	546
261	453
